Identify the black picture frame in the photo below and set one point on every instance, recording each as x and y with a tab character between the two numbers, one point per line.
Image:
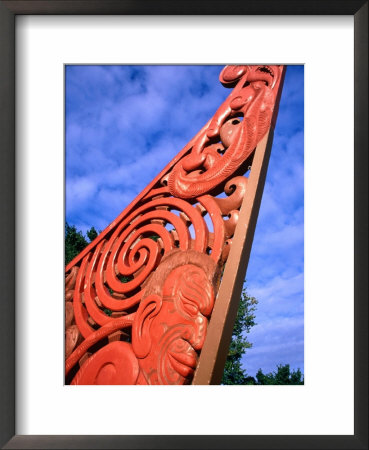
8	10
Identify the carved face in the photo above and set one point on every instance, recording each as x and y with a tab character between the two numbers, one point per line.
171	329
253	99
230	75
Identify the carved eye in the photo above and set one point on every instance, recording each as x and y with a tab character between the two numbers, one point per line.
228	131
191	308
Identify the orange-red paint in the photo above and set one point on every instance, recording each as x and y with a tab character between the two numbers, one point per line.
139	298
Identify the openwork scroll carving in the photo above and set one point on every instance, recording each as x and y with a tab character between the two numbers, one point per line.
139	298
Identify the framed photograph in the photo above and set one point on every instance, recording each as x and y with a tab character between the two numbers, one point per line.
38	40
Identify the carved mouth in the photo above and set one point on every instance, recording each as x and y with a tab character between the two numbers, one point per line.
266	69
264	74
182	357
183	363
177	359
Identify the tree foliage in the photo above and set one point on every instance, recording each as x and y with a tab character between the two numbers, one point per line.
245	320
75	241
233	371
92	234
283	375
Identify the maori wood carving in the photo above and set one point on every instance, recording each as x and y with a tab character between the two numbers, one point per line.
139	298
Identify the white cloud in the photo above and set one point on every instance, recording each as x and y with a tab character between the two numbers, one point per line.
277	341
79	191
279	296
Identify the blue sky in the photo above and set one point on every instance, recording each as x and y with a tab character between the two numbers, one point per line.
125	123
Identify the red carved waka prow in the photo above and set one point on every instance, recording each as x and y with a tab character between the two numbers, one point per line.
139	298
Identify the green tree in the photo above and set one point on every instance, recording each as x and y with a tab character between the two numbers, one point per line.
283	375
233	371
92	234
245	320
75	241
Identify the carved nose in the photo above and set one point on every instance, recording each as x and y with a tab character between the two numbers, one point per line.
198	337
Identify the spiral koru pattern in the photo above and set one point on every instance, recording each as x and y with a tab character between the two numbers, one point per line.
107	285
192	207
